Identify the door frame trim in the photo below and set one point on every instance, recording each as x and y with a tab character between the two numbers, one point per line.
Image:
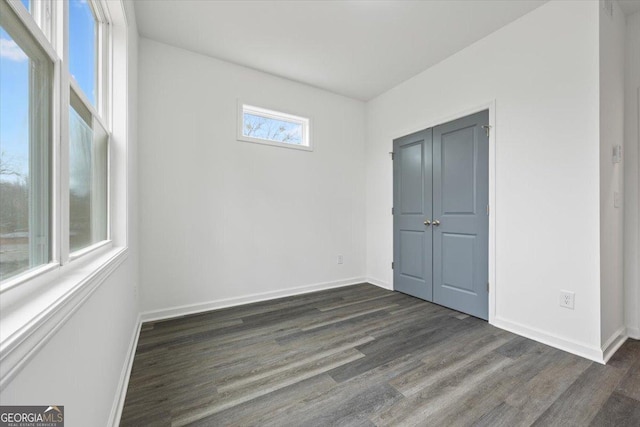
491	106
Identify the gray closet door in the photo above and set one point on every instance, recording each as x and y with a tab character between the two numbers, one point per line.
412	194
460	200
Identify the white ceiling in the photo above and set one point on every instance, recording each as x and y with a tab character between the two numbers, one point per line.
355	48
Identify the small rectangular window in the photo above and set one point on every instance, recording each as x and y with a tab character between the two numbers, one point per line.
273	128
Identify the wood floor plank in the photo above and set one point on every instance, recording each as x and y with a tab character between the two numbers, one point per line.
343	392
256	411
580	403
485	396
630	384
287	364
419	406
435	369
535	396
197	410
628	358
516	347
352	409
503	415
620	411
361	356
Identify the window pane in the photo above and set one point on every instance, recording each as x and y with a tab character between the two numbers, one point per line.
272	129
82	47
25	90
88	156
27	4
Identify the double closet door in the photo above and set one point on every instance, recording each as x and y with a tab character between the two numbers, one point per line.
441	214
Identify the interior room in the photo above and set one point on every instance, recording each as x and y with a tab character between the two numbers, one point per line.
389	213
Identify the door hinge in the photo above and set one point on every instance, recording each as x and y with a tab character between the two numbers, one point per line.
486	128
391	153
487	287
487	209
392	265
391	211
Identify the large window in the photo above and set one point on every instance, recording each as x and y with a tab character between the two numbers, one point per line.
26	74
54	200
271	127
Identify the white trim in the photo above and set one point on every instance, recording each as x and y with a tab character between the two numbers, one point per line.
183	310
34	29
62	197
123	383
22	344
27	276
75	86
89	249
614	342
634	331
592	353
491	107
380	283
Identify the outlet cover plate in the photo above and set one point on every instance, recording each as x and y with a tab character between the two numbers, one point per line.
567	299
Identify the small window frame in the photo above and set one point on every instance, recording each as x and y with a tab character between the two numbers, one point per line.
268	113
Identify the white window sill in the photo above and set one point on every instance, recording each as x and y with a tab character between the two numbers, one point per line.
32	311
274	143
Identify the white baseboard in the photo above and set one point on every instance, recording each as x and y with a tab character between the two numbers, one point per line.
614	342
579	349
123	384
183	310
633	333
379	283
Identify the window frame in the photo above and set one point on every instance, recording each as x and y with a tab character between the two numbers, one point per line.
99	112
48	24
269	113
28	21
35	304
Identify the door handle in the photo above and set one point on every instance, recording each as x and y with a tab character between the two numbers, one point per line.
436	223
427	222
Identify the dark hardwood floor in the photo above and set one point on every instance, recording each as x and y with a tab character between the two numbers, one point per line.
361	356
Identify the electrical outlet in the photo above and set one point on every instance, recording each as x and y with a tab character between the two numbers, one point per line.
340	259
567	299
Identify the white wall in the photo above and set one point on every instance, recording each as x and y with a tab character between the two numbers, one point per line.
225	221
612	41
631	177
542	71
82	365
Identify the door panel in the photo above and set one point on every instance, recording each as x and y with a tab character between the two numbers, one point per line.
411	178
460	199
412	240
458	172
412	255
457	261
